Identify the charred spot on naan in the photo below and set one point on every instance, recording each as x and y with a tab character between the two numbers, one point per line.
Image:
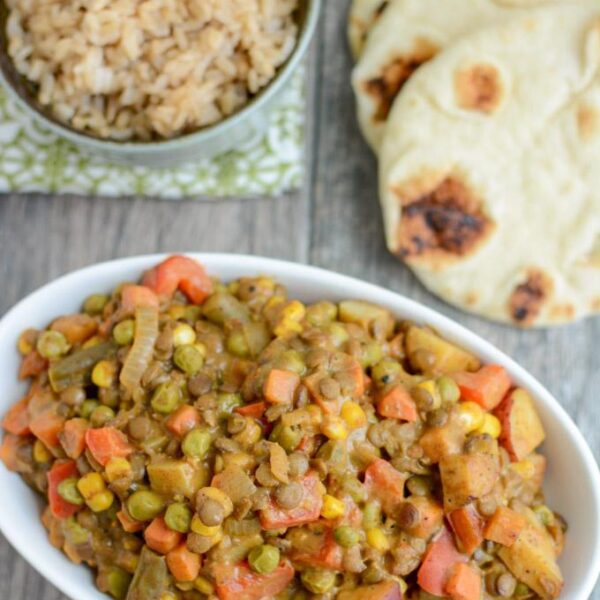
381	8
479	88
588	121
441	224
385	87
529	297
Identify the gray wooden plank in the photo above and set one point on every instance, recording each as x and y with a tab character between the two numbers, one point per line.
347	236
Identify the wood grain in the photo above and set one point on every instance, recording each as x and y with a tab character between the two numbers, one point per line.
333	222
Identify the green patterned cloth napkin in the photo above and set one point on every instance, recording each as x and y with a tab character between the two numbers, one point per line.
32	159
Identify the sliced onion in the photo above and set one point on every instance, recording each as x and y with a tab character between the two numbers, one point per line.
140	355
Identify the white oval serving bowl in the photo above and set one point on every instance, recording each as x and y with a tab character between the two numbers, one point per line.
572	482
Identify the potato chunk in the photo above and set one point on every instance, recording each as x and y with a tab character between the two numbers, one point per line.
522	430
176	477
466	477
531	560
448	357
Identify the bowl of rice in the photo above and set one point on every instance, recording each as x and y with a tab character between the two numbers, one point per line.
153	82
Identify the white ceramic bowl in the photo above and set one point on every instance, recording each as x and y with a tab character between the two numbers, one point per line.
572	482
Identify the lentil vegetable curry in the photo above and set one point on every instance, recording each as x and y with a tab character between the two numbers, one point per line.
196	439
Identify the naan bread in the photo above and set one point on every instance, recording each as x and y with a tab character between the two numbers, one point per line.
409	33
490	169
362	15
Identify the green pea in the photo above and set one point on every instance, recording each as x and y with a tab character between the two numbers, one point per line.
166	398
52	344
287	437
95	304
101	415
178	517
226	402
346	536
237	343
196	443
318	581
144	505
264	559
321	313
67	490
385	371
124	332
449	390
87	408
117	583
188	359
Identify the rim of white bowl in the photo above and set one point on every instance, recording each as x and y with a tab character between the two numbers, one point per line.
317	276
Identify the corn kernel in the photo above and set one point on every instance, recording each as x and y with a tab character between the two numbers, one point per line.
295	311
104	374
334	428
90	485
41	454
490	425
523	469
287	326
168	596
93	341
376	538
204	586
332	507
183	335
471	415
117	468
354	415
101	501
201	529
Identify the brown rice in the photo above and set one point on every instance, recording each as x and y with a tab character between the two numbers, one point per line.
141	69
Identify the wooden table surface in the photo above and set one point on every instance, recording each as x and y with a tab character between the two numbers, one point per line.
332	222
